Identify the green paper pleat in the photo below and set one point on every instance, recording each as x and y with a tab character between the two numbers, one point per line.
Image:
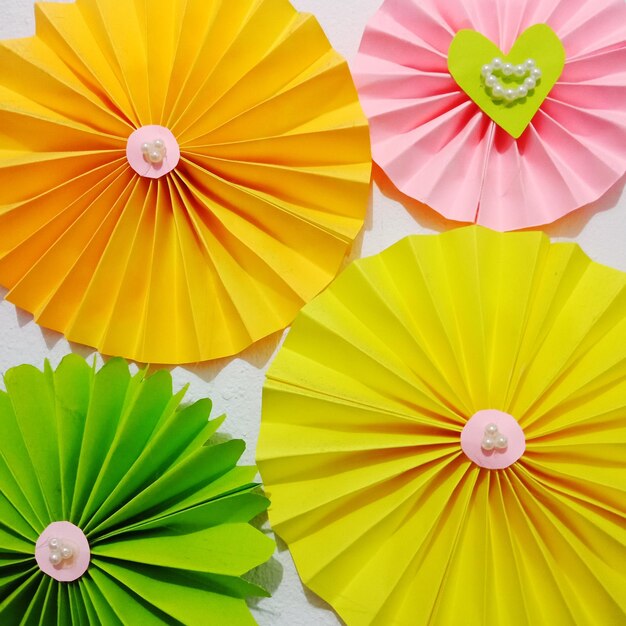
31	394
230	549
63	605
130	610
236	480
39	603
19	482
198	469
143	409
201	515
72	384
50	611
102	611
12	544
13	521
108	393
13	576
78	611
177	596
90	609
18	564
14	603
187	430
236	507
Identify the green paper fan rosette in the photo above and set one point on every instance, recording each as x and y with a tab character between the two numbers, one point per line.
114	509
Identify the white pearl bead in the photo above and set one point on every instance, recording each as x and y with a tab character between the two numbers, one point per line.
158	144
491	429
155	156
488	443
55	557
497	92
510	94
145	148
66	553
486	70
54	543
507	91
501	442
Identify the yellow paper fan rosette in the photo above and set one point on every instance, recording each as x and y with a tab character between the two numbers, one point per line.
177	178
376	442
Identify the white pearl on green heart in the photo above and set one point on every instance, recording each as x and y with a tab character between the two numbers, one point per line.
486	70
508	69
528	71
530	83
510	95
497	92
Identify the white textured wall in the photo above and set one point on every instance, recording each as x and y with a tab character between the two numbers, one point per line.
235	384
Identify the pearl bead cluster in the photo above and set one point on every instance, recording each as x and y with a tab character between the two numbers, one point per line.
59	551
493	438
527	70
154	152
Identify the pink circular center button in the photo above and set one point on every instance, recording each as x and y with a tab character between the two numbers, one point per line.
62	552
493	439
152	151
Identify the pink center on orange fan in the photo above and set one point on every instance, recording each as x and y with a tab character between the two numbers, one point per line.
493	439
152	151
62	551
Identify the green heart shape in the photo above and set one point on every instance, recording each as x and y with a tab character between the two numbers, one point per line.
470	50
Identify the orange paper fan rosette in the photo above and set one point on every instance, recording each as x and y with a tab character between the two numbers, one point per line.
397	507
253	220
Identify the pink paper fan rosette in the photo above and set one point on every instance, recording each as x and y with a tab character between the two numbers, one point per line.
438	147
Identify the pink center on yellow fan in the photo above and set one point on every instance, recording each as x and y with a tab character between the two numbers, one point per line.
62	551
493	439
152	151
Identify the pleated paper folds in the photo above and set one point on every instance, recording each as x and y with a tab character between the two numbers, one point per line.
386	517
270	191
165	512
438	147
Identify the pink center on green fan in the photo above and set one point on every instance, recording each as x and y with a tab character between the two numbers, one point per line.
62	551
